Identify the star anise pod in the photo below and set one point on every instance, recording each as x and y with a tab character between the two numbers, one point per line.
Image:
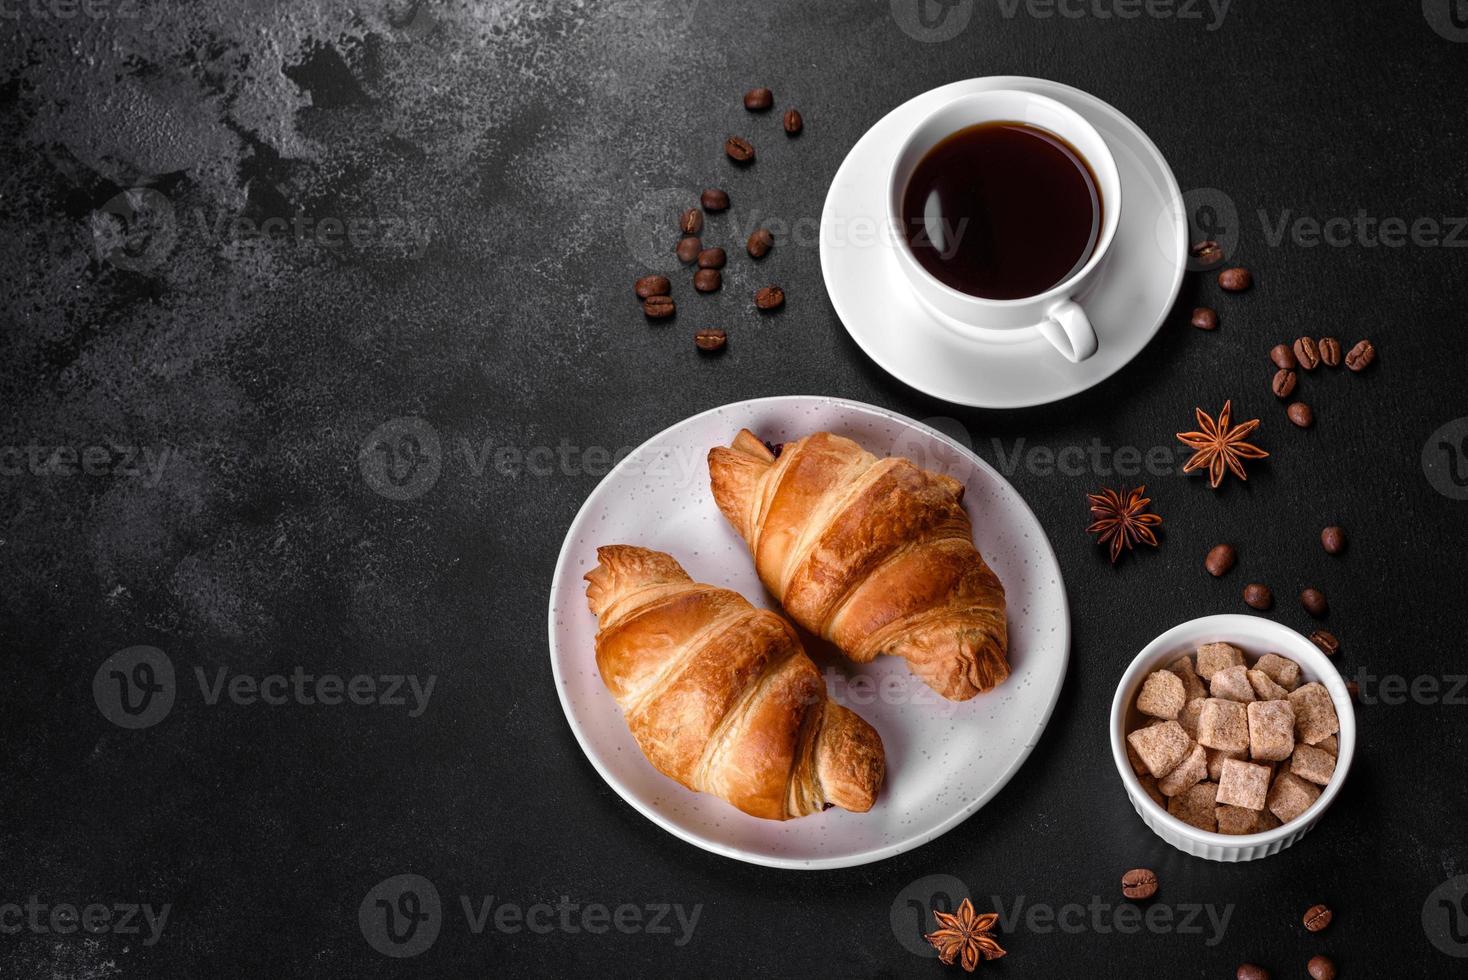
1121	519
965	936
1217	446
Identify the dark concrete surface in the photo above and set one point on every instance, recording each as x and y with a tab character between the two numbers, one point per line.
196	399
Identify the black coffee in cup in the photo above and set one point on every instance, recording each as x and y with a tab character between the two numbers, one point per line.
1002	210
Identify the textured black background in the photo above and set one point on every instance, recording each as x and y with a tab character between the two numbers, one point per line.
527	144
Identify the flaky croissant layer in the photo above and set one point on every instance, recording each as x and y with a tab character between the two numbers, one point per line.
721	696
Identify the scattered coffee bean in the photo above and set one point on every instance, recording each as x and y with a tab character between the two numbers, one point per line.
691	221
1207	253
1235	280
1307	353
1320	968
653	286
1283	357
1221	558
712	258
1354	690
1284	383
1300	414
770	298
708	280
658	307
793	122
1205	319
1258	596
1330	351
1314	602
1326	641
758	99
1317	917
739	149
714	199
1360	357
710	338
688	249
760	242
1139	883
1333	540
1251	972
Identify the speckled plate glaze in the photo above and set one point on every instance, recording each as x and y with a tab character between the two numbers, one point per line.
944	760
1144	269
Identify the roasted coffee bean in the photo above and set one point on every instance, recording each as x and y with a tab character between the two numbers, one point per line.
1221	558
739	149
653	286
714	199
1317	917
758	99
770	298
1320	968
708	280
793	122
760	242
1360	357
711	338
1206	253
688	249
658	307
1283	357
1333	540
1354	690
1284	383
1330	351
1314	602
1300	414
1326	641
1205	319
1251	972
1258	596
1235	280
1307	353
1139	883
712	258
691	221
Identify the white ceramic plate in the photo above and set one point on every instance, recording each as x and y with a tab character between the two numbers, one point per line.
944	760
1127	305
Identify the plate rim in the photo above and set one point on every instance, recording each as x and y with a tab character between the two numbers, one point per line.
973	401
871	855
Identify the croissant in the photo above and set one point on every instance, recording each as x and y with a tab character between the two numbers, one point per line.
721	696
875	555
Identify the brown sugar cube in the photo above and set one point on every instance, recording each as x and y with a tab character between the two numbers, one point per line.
1232	684
1161	747
1224	725
1315	717
1192	770
1265	689
1271	730
1138	766
1162	695
1215	761
1244	784
1192	684
1236	820
1282	670
1150	786
1267	821
1188	717
1291	796
1213	657
1312	764
1196	805
1329	744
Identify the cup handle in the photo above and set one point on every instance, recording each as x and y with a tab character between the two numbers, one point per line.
1069	331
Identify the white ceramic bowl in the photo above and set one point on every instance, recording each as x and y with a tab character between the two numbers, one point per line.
1256	637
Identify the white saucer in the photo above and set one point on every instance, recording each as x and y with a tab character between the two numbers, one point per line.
1128	304
944	759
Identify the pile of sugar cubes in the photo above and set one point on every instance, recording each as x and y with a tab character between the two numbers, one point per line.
1245	753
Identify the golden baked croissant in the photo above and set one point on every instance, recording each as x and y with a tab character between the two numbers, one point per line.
875	555
721	696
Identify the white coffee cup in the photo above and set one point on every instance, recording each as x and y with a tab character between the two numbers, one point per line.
1055	313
